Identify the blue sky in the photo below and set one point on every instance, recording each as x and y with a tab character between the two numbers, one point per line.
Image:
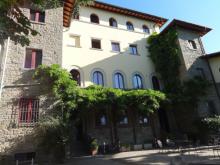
202	12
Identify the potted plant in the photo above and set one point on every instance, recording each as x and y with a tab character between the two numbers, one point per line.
125	148
94	147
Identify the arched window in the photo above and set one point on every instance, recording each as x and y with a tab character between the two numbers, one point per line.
76	76
119	81
156	83
130	26
94	18
137	81
113	22
98	78
146	29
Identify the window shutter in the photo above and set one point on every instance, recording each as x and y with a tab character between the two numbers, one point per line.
33	59
37	16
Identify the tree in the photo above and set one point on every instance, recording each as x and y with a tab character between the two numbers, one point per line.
14	24
107	99
71	99
143	102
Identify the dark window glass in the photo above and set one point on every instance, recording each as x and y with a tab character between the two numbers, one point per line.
123	119
133	49
96	44
156	83
101	119
143	119
201	72
137	81
28	111
211	108
115	47
130	26
37	16
76	76
119	81
146	29
33	58
113	22
192	44
94	18
98	78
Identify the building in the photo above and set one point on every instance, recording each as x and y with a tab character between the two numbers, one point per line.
213	61
21	101
107	45
193	64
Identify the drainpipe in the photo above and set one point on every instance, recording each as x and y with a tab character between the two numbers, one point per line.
4	68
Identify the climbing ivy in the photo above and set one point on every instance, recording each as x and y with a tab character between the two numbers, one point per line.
184	96
165	54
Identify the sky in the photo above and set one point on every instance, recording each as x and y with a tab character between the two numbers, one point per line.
201	12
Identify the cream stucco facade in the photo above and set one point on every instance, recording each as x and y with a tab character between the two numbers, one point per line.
215	66
87	60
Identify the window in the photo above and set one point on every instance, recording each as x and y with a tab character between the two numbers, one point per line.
94	18
130	26
76	16
115	47
98	78
143	119
137	81
201	72
101	119
146	29
156	83
76	76
123	119
25	158
119	81
28	111
37	16
96	44
113	22
192	44
33	58
74	41
133	49
211	108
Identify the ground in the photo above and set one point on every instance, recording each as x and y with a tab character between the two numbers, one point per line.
150	157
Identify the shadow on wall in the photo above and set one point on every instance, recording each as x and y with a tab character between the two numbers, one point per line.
21	110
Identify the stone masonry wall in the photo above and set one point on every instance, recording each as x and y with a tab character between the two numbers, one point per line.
18	81
191	61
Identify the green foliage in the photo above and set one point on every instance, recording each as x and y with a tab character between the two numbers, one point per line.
192	90
94	145
81	3
14	24
165	54
212	123
59	83
52	135
145	101
73	99
183	96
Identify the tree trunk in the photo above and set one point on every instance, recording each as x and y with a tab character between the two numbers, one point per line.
133	120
